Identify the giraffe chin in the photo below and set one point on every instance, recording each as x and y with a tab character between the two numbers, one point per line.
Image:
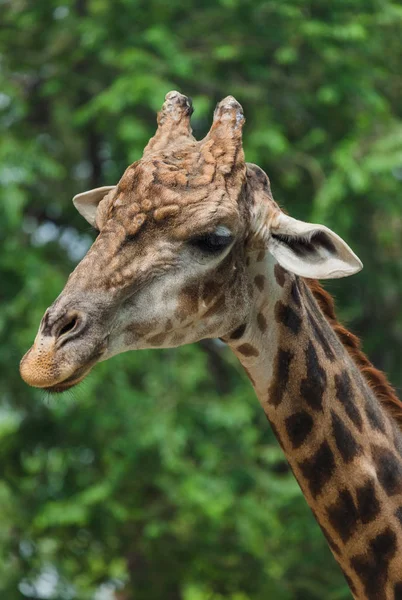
70	382
76	377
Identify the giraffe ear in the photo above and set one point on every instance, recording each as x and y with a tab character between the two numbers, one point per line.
309	250
87	202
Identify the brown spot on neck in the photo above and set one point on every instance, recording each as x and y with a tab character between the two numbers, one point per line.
238	333
285	315
281	377
247	350
280	274
259	281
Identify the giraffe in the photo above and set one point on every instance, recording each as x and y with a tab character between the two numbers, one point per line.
192	245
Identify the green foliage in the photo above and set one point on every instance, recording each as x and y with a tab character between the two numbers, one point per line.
159	476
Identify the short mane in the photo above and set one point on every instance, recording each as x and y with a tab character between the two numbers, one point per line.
374	377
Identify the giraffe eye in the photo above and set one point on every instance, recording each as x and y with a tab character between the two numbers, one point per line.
212	243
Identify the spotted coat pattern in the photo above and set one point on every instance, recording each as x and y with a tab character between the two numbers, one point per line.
343	448
141	285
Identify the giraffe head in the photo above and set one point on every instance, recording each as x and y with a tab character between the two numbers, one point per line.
169	265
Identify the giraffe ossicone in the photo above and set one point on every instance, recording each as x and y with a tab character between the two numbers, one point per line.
192	245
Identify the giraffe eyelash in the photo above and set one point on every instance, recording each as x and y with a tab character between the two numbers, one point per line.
213	242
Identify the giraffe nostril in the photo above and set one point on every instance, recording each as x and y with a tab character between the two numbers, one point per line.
68	327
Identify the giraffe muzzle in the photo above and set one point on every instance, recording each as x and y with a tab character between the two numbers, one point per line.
43	367
65	349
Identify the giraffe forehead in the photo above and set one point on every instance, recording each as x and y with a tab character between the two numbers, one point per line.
186	168
177	170
157	191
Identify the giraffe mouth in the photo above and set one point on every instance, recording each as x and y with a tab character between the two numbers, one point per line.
76	377
70	382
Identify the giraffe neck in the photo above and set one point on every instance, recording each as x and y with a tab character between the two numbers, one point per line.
343	446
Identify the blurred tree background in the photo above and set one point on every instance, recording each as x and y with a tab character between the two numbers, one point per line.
159	477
